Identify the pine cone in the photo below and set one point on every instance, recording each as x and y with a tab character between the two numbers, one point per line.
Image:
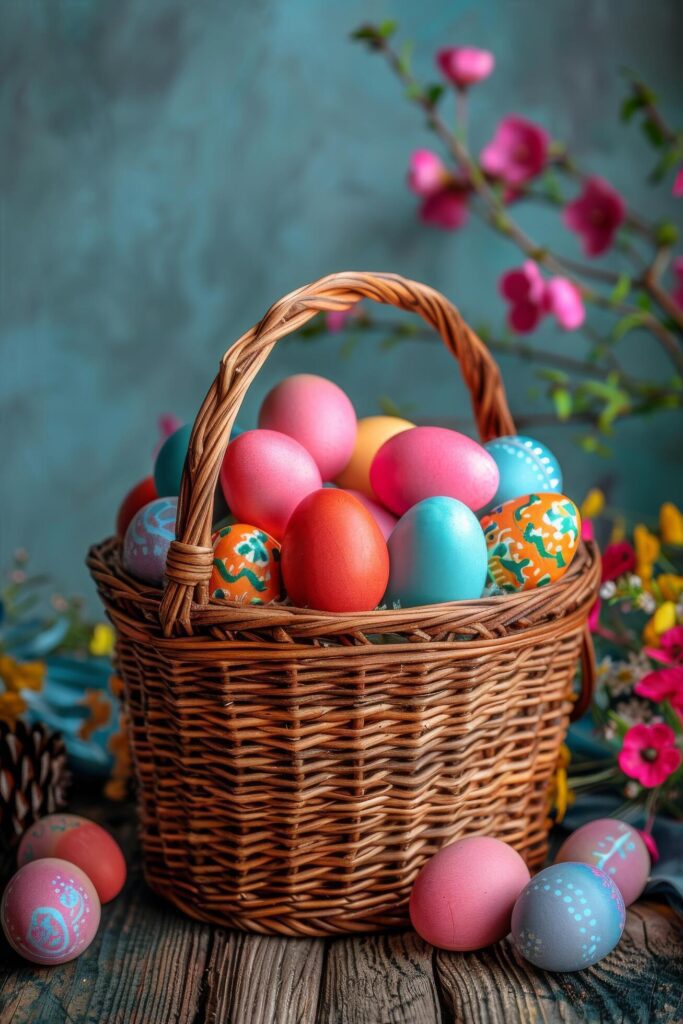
33	776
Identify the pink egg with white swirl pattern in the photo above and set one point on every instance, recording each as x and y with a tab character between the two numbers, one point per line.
614	847
50	911
148	538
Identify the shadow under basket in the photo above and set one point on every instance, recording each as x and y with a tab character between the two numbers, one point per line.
296	768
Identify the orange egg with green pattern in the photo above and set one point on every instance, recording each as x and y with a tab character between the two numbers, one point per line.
531	541
246	565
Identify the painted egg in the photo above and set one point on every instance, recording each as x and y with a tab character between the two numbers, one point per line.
371	433
148	539
525	466
170	461
437	553
265	474
80	842
614	847
384	519
50	911
246	565
531	540
137	496
334	557
317	414
568	917
464	895
428	462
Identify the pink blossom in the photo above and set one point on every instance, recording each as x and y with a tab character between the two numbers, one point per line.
652	847
677	190
446	208
427	172
563	300
465	65
595	215
517	152
663	684
677	294
337	319
617	559
670	650
649	754
524	289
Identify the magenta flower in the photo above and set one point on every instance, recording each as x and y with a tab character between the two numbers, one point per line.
337	319
427	172
652	847
595	215
524	289
677	294
617	559
517	152
677	190
446	208
663	684
670	650
563	300
649	754
465	65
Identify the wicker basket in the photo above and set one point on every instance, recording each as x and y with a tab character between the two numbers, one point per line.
296	768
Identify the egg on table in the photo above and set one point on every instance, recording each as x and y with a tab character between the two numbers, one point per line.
568	917
531	540
246	565
334	557
317	414
371	433
616	848
428	462
148	538
265	474
525	466
50	911
80	842
463	897
437	552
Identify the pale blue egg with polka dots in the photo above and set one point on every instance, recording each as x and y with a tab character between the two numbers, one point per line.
525	466
568	917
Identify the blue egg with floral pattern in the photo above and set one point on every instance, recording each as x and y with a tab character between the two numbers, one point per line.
525	466
568	917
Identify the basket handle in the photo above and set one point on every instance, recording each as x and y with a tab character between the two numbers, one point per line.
188	567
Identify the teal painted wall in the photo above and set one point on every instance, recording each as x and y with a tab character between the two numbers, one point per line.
170	168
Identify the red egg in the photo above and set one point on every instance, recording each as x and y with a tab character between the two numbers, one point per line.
334	557
81	842
138	496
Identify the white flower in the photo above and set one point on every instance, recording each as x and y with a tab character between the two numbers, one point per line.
635	581
631	789
646	602
608	589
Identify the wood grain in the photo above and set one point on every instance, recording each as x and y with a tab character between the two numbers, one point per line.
380	979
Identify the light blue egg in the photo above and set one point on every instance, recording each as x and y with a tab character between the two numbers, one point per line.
525	466
437	552
568	917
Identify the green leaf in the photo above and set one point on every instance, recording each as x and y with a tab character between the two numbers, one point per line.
414	92
434	93
366	33
405	56
653	133
591	444
563	402
666	233
551	187
643	301
630	322
389	407
621	289
386	29
613	409
630	105
348	346
554	376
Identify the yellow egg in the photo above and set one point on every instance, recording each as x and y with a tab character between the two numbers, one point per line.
373	431
532	540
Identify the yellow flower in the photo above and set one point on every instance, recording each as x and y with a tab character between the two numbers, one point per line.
671	524
670	586
618	530
664	618
11	706
102	640
21	675
647	550
593	504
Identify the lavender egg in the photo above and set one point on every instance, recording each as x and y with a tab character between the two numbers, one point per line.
148	538
614	847
568	917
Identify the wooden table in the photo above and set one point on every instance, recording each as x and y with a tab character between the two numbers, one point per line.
149	964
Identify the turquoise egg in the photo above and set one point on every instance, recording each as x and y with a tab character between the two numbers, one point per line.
437	552
525	466
168	468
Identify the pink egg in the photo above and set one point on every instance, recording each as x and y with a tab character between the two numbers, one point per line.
50	911
464	896
384	519
430	462
265	474
80	842
317	414
614	847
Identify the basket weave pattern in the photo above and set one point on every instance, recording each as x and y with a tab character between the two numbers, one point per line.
296	768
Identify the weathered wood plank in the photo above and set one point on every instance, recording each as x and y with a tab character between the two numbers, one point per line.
379	979
640	982
254	979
